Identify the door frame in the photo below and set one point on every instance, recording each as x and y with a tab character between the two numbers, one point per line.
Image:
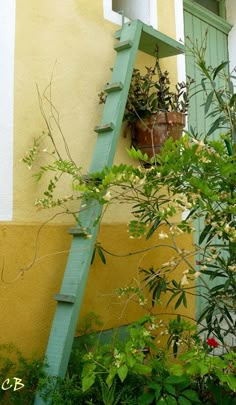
204	14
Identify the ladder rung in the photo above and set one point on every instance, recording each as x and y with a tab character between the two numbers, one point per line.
104	127
69	298
123	45
109	88
78	231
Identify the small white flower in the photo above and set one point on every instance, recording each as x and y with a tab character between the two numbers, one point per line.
142	301
167	264
162	235
232	268
227	228
107	196
90	355
184	281
141	181
197	274
153	326
199	143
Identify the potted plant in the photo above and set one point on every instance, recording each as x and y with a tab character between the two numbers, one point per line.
154	111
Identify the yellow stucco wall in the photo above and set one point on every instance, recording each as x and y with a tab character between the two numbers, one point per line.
26	298
70	43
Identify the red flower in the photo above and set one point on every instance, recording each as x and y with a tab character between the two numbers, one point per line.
212	342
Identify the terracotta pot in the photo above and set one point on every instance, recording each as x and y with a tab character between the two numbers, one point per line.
150	134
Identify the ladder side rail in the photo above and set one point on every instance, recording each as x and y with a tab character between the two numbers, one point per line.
79	259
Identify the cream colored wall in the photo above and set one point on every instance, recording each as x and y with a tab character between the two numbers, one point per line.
70	42
167	25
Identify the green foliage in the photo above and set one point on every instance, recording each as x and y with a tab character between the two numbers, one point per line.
116	362
178	329
213	375
19	376
151	92
170	390
192	176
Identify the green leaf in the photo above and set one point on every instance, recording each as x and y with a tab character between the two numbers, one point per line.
170	389
176	379
190	394
174	295
146	399
214	126
185	300
208	101
111	376
137	154
218	69
184	401
130	360
153	228
142	369
232	100
143	320
230	380
101	254
137	228
122	372
87	382
196	368
177	370
186	356
93	255
175	284
170	400
203	83
179	301
204	233
158	389
88	369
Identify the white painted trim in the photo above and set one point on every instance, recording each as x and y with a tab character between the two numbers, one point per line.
111	15
116	18
7	47
153	13
231	18
179	23
181	66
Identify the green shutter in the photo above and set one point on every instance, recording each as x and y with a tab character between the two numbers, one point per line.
197	21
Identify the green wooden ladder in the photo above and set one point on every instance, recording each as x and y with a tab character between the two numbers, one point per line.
133	36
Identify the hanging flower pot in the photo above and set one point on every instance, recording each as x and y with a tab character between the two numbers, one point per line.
155	110
150	134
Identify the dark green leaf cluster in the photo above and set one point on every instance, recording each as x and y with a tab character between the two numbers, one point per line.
152	92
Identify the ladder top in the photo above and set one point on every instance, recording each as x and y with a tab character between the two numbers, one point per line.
150	38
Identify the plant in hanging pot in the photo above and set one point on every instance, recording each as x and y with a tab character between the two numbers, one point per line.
154	111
